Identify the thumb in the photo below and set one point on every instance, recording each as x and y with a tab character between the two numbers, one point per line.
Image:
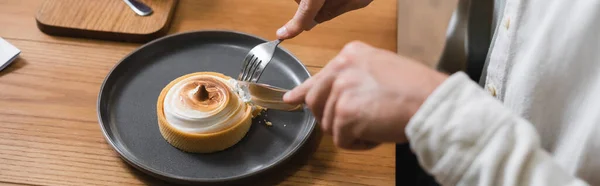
304	19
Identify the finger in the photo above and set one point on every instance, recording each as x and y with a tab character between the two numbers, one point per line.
345	122
345	118
298	94
317	96
341	83
326	14
305	15
304	19
329	110
321	96
341	133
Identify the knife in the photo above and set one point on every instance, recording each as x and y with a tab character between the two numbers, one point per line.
267	96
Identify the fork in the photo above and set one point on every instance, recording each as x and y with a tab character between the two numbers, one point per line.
256	60
139	7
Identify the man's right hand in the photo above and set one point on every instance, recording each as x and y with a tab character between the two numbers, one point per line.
366	95
312	12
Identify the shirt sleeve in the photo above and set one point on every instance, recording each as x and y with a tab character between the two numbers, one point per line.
463	136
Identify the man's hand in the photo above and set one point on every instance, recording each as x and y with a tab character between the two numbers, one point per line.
312	12
366	95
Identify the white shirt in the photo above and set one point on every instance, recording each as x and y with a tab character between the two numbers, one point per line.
537	121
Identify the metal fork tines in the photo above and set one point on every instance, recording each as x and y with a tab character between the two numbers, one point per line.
256	60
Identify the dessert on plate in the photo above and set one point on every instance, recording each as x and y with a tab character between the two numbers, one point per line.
204	112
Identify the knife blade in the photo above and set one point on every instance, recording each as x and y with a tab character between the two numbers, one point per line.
267	96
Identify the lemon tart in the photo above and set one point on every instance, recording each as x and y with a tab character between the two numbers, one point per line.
204	112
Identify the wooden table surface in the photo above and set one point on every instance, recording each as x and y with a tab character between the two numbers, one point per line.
49	132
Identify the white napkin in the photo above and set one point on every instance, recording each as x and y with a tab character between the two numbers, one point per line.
8	53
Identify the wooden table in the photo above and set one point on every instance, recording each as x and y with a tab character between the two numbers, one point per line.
49	133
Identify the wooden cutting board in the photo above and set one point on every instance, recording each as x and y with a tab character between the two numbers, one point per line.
104	19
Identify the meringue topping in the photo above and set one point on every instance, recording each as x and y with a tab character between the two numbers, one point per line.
204	104
204	95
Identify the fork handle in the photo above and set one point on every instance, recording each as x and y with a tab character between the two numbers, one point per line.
139	7
274	43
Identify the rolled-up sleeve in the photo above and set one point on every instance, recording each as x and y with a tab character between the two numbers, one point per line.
463	136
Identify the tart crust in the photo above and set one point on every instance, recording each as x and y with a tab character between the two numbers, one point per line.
203	142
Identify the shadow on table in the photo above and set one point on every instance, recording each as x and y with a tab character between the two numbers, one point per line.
273	176
15	65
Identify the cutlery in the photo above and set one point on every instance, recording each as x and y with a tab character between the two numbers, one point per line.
256	60
267	96
139	7
263	95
